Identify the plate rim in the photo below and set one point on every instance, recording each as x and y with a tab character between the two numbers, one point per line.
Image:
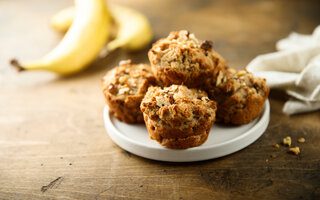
263	120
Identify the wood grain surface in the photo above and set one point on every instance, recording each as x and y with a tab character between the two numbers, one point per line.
53	144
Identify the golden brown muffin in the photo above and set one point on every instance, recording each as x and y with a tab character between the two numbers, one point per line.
178	117
182	59
240	96
124	87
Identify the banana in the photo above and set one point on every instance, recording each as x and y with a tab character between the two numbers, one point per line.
81	44
63	19
134	31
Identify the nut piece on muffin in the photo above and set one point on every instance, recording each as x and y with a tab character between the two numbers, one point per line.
124	87
178	117
182	59
240	96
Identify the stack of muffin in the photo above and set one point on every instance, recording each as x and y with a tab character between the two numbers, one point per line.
185	90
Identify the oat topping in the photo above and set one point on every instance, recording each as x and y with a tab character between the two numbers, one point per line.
124	87
241	73
124	90
182	59
176	102
163	100
231	70
129	79
178	117
239	94
123	79
125	62
206	99
219	78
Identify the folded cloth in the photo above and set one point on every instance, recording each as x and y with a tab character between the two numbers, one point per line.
295	68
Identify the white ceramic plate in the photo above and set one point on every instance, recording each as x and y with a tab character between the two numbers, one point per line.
222	140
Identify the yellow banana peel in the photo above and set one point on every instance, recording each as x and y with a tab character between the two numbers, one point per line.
133	28
81	44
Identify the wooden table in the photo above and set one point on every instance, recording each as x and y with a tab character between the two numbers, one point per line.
53	144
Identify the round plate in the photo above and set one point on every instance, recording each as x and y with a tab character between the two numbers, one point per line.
222	140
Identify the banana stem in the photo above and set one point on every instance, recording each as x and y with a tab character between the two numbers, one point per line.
104	52
15	64
111	46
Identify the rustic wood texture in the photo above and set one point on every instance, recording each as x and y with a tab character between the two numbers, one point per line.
53	144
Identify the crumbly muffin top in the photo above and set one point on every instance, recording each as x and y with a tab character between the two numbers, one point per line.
127	79
238	83
177	105
241	80
182	51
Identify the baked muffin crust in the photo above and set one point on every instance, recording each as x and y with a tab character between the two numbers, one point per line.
240	96
124	87
182	59
178	117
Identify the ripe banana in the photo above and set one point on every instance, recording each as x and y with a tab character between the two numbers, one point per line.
133	28
81	44
134	31
63	19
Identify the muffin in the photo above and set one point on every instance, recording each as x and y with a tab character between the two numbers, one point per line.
178	117
182	59
124	87
240	96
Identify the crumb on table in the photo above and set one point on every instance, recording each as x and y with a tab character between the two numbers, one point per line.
276	146
273	155
301	140
287	141
294	150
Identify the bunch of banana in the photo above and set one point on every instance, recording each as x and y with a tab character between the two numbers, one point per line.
88	27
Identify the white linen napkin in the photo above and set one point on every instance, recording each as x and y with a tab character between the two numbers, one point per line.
295	67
